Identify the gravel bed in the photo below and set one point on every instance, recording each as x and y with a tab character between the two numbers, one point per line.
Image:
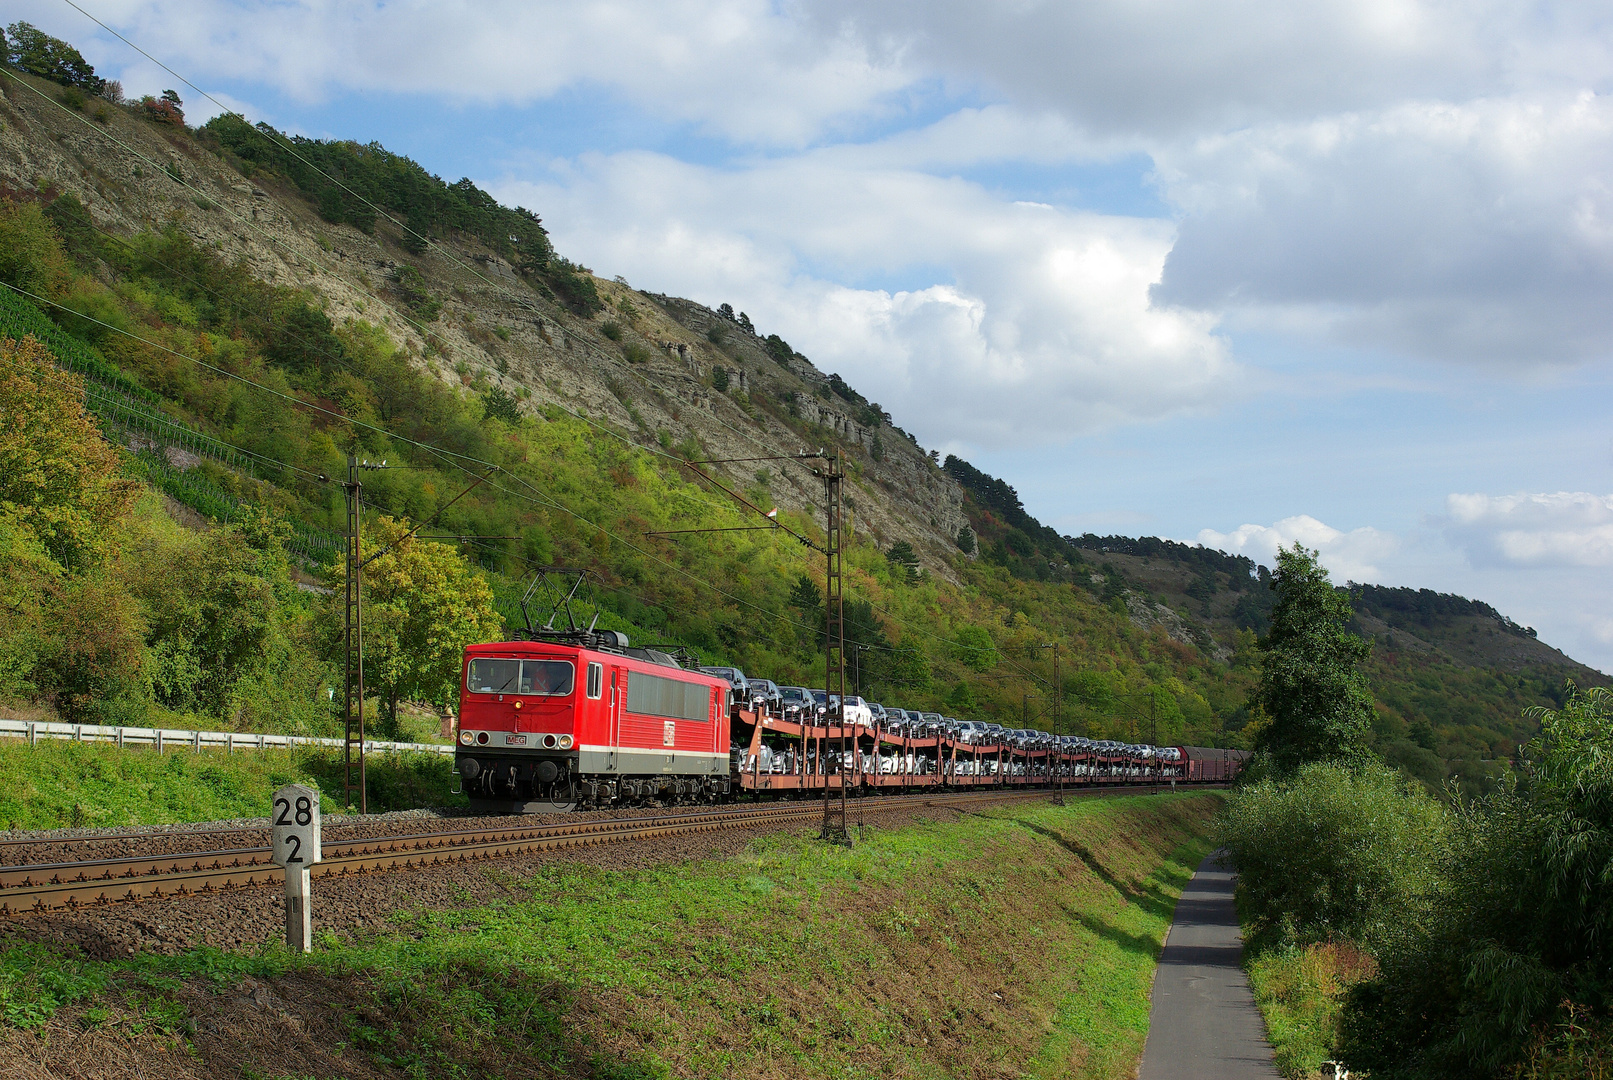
248	918
161	841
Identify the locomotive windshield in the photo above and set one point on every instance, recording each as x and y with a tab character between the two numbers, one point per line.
548	677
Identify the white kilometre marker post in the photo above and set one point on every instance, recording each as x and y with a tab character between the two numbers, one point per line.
294	832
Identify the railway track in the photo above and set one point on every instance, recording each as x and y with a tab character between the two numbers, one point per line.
66	886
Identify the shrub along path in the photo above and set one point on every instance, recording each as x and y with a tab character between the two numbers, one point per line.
1203	1022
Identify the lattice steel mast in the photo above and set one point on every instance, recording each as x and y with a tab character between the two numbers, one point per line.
834	655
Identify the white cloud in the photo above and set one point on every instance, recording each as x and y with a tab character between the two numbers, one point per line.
737	68
1461	232
1039	327
1560	529
1170	69
1422	177
1348	556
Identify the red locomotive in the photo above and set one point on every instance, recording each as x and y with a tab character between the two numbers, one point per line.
581	718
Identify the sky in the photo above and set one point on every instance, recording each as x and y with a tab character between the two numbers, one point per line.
1237	274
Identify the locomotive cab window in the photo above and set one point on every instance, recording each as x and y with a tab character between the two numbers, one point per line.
553	678
493	676
596	680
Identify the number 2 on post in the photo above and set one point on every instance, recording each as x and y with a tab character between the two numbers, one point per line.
296	848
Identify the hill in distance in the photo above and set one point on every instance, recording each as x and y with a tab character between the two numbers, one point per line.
373	307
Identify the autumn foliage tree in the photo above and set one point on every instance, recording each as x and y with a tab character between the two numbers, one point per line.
59	480
423	605
62	499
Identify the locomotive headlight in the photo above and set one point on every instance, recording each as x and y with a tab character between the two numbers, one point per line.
466	738
565	742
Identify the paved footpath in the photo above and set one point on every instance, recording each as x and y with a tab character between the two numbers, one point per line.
1204	1024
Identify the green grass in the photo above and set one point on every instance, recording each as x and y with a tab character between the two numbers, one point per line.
1020	940
1300	994
95	785
1103	1021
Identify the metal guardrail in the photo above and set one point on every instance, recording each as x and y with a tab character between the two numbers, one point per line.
170	738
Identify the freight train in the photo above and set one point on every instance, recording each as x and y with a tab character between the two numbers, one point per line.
581	719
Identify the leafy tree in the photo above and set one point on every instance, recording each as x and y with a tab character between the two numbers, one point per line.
28	577
304	340
1333	852
416	295
1315	697
31	257
905	668
59	480
164	110
37	53
210	607
424	604
973	648
778	349
962	699
94	667
77	229
1091	689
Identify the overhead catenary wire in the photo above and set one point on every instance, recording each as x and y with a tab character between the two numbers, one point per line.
291	148
425	239
243	451
452	458
415	324
424	331
419	327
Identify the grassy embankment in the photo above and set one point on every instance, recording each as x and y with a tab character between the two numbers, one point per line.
1300	992
96	785
1020	940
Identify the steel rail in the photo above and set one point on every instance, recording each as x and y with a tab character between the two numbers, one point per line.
44	887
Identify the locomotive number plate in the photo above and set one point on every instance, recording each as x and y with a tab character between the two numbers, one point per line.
515	740
669	733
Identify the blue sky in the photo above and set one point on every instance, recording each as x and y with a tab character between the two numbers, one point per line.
1237	273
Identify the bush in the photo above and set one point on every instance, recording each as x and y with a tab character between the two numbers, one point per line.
612	329
416	295
1520	936
1333	853
164	110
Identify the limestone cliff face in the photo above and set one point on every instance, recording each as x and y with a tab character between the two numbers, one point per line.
652	384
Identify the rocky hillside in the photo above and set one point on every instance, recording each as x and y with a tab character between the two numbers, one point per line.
663	371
